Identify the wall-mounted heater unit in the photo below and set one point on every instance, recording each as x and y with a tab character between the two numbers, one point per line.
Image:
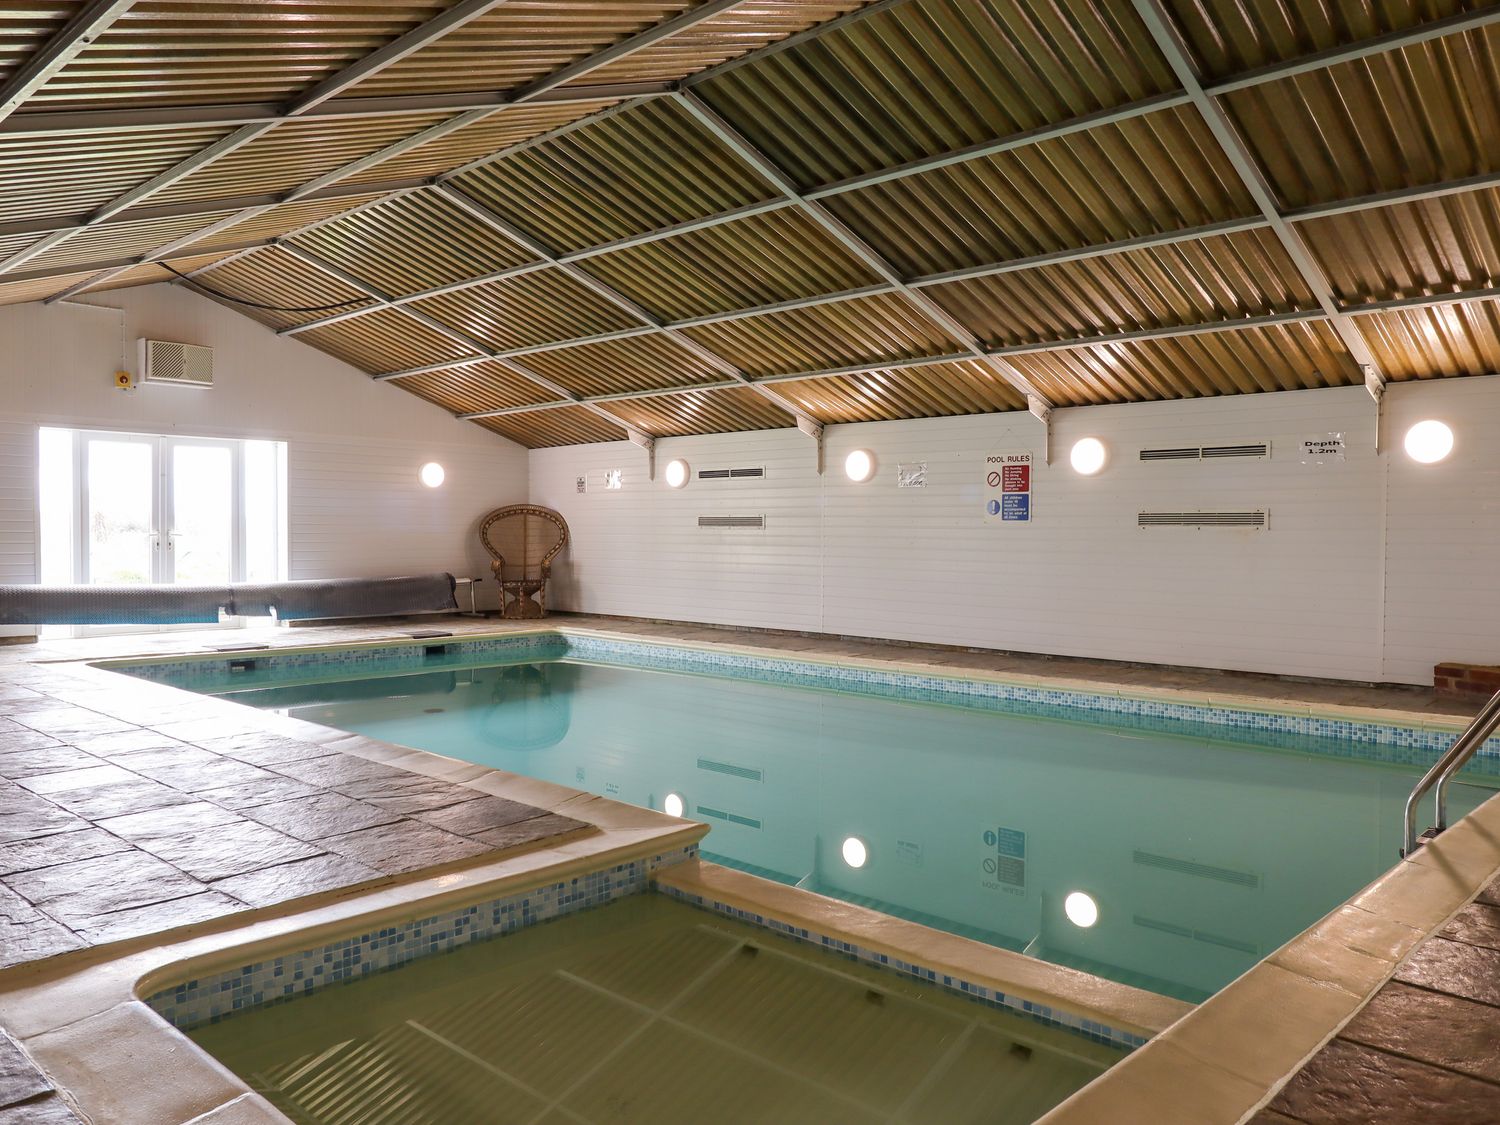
1257	450
1257	519
178	365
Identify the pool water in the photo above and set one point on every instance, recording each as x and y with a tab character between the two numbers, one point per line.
646	1010
1200	856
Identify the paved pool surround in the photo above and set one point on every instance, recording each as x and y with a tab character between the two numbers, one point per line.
81	1014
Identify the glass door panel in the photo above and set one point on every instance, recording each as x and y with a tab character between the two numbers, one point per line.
201	519
119	533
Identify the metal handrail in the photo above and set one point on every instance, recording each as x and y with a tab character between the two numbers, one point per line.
1442	771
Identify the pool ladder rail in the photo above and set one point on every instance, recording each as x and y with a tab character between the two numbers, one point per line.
1464	747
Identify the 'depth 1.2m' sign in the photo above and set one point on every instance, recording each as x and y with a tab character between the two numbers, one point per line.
1007	487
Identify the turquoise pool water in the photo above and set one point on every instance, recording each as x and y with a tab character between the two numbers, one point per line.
1203	848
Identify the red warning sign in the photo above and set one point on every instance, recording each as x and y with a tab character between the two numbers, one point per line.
1015	478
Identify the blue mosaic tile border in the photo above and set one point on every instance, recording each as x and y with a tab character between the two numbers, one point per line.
211	998
1368	741
1092	1030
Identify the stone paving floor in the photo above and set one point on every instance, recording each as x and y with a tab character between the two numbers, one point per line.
1425	1050
27	1096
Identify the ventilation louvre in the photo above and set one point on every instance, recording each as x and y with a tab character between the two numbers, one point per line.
180	365
1257	519
1257	450
753	473
1201	870
732	521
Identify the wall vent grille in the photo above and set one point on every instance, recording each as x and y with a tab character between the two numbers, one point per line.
729	769
732	818
1258	450
181	365
1202	870
754	473
1196	935
732	521
1260	519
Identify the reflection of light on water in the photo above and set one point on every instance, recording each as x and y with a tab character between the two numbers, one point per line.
855	853
1081	909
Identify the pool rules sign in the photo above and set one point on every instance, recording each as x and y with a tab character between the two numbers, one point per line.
1007	487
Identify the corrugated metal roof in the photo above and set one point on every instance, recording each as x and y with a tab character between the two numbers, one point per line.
537	308
1285	357
868	330
1160	172
1238	275
1229	36
607	180
28	30
640	364
68	175
778	256
518	43
385	341
162	52
967	387
743	28
274	277
703	412
1445	245
480	386
1439	342
117	240
294	154
933	76
417	242
567	425
281	219
1419	115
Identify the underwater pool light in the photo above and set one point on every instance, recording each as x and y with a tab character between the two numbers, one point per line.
855	853
1081	909
674	805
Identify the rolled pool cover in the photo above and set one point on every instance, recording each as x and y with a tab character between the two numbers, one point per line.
187	605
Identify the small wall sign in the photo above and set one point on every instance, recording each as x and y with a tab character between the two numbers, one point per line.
1321	449
911	474
1007	487
583	484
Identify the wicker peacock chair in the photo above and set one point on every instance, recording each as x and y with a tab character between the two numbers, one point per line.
523	540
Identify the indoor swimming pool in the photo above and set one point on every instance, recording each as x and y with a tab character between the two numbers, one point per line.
1141	845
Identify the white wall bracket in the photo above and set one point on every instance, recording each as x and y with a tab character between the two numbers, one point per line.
813	430
1042	409
648	443
1375	384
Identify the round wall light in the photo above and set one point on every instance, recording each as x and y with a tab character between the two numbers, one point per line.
1088	456
1081	909
1429	442
432	474
674	805
854	851
677	473
859	466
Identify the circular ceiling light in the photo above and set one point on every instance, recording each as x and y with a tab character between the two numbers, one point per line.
677	473
854	852
1087	456
1429	442
432	474
859	466
1081	909
674	805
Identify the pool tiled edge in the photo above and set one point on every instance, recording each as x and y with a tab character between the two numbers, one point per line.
1340	734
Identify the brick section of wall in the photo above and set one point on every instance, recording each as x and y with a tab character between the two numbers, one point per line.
1466	681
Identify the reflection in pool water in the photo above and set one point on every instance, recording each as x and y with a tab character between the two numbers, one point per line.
1164	861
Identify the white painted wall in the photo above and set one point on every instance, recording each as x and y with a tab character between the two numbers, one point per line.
355	505
1373	569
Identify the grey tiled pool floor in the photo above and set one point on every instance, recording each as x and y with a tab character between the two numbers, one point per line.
122	817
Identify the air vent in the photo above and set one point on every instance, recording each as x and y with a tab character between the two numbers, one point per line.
729	769
1202	870
1196	935
1259	519
181	365
755	473
732	818
1258	450
731	521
